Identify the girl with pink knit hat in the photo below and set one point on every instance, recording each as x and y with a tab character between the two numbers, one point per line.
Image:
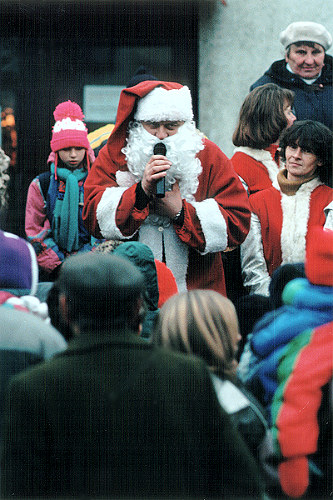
53	220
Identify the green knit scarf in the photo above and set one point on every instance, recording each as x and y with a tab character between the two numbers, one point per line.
65	225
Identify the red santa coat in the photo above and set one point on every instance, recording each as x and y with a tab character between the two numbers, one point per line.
217	218
256	167
279	228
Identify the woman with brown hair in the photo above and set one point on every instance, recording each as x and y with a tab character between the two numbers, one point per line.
265	113
301	197
204	323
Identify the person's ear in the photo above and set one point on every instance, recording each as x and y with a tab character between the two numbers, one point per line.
138	314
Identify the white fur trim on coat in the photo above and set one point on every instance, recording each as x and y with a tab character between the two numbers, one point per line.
176	252
213	225
106	213
296	211
264	157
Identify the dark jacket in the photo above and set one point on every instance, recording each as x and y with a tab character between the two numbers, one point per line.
312	102
114	416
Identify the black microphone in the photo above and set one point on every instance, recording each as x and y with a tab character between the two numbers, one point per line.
160	149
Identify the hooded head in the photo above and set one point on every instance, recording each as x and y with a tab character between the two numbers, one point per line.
19	268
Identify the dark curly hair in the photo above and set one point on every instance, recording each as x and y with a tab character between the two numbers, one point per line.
315	138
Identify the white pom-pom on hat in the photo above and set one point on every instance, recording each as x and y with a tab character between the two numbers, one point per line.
165	105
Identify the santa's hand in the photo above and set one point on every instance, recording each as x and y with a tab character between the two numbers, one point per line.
171	204
155	170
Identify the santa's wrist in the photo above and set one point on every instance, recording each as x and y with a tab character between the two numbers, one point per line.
178	218
142	199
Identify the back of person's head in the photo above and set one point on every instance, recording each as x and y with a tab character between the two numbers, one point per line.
203	323
101	290
313	137
262	116
18	265
280	277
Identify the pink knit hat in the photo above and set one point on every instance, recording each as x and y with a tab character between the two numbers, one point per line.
69	129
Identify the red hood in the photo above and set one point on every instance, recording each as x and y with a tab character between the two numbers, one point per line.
125	113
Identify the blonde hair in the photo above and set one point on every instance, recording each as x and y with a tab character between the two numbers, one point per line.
204	323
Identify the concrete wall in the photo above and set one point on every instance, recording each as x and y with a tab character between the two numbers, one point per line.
237	43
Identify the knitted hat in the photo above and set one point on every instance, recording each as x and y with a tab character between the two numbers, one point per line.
142	74
165	105
69	129
319	256
167	285
304	31
18	265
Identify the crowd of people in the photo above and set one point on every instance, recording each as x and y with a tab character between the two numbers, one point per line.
167	323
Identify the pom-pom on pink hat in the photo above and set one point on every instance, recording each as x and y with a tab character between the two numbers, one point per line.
69	129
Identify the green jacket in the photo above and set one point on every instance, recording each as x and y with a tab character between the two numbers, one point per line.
114	416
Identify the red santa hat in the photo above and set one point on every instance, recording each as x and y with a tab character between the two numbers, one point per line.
128	101
69	129
319	256
165	105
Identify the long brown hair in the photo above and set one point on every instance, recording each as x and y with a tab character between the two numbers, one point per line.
203	323
261	117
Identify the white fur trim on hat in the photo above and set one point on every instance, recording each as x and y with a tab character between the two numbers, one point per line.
306	31
165	105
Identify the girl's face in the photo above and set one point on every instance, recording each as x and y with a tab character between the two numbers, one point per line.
72	157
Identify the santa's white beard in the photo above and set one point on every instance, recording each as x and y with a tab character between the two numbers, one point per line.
181	150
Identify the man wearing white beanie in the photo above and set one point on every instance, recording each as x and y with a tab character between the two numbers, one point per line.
205	208
306	69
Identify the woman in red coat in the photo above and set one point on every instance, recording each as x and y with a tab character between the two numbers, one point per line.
264	114
299	198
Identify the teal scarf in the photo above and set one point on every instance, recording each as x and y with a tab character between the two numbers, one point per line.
65	225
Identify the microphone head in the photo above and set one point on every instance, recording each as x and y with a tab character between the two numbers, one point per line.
160	148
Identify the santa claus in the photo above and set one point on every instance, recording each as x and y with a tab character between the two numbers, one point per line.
204	210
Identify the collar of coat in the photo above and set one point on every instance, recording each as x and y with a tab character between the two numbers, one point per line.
99	340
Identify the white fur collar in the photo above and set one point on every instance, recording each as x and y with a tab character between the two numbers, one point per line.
296	210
